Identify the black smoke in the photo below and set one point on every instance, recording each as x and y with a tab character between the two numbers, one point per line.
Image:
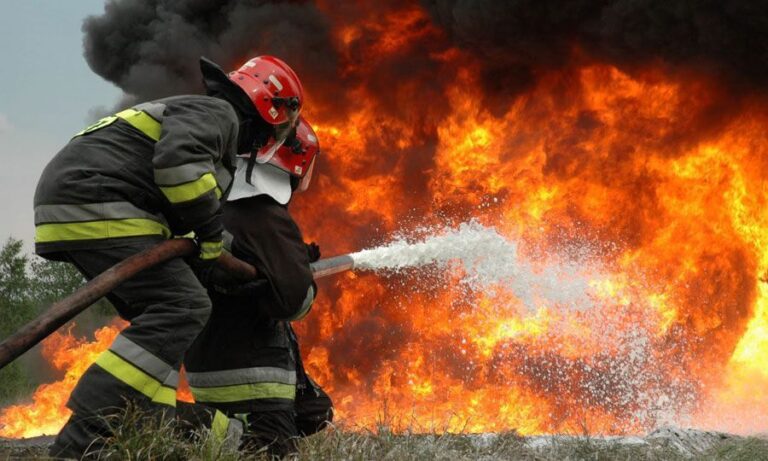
727	40
150	48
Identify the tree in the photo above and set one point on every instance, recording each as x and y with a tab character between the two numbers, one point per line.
16	308
27	287
15	302
52	280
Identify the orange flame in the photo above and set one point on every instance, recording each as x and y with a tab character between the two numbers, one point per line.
637	166
646	168
47	413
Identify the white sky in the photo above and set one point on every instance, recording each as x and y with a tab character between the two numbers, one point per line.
46	93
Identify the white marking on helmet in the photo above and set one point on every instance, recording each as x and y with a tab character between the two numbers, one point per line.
250	64
276	82
273	112
312	138
297	169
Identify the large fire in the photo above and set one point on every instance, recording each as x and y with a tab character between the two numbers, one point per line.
651	171
657	173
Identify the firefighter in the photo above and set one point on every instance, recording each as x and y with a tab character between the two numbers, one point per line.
136	178
246	360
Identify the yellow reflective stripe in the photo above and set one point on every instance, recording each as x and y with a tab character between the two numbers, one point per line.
100	124
165	396
211	250
244	392
219	426
142	122
136	118
191	190
128	373
91	230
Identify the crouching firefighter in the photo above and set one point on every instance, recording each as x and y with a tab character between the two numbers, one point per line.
126	183
246	360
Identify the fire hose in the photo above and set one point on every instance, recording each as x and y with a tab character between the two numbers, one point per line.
65	310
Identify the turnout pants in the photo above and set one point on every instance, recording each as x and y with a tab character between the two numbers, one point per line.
278	431
249	367
167	307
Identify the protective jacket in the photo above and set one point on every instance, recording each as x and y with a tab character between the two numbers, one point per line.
244	359
149	172
141	175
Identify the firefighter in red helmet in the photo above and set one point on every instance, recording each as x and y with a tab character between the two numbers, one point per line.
158	169
246	361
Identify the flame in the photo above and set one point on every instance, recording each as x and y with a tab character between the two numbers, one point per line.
644	169
635	166
47	413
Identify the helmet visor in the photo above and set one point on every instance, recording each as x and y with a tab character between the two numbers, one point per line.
282	132
266	153
304	183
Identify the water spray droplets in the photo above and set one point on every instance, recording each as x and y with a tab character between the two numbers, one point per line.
489	261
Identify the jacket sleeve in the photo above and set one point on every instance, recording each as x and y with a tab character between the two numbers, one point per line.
196	133
265	235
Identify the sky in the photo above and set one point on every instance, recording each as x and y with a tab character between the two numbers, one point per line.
47	93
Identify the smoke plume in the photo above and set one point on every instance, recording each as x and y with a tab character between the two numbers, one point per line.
724	39
151	48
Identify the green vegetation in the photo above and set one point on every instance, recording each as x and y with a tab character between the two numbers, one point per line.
159	441
28	285
16	308
137	436
341	445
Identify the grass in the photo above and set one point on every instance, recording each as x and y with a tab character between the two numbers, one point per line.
748	449
137	437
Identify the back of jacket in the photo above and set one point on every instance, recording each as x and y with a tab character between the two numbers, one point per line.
244	360
152	171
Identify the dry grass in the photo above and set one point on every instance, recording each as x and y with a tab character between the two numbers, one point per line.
158	440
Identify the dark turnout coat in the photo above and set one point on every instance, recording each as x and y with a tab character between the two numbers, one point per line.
244	360
144	174
155	170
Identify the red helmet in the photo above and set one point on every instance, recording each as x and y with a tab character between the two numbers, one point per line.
273	87
296	156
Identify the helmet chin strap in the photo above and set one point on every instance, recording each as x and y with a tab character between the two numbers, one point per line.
256	136
249	169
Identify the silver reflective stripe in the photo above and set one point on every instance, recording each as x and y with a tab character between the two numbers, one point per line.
91	212
234	432
227	238
306	304
241	376
223	178
153	109
144	359
172	380
181	174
